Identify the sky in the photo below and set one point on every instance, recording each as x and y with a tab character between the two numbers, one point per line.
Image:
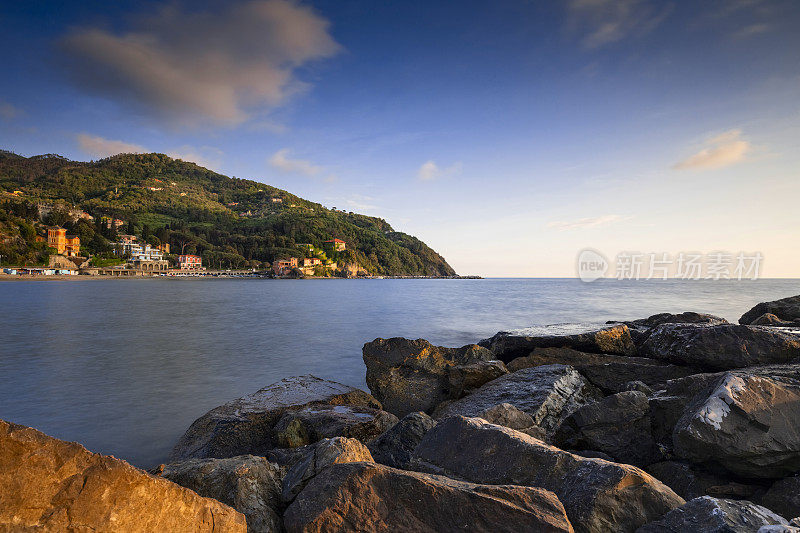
508	135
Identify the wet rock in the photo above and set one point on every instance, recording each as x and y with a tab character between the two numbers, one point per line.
783	497
640	329
245	425
414	375
748	424
48	484
597	495
618	425
784	309
691	481
721	347
249	484
507	415
609	373
395	446
359	497
768	319
318	457
713	515
308	425
466	378
595	338
546	393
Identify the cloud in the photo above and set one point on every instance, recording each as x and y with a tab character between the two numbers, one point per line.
429	171
284	163
721	151
8	111
584	223
603	22
188	68
99	147
206	156
751	29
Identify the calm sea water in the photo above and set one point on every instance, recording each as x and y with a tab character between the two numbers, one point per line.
124	366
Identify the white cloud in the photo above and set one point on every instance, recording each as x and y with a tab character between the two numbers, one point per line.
222	67
429	171
100	147
721	151
584	223
603	22
284	163
206	156
8	111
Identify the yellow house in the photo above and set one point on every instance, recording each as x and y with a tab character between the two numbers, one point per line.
64	244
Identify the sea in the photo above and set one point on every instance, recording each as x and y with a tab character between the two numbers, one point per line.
124	366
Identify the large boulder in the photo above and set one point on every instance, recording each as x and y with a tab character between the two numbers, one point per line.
595	338
609	373
357	497
308	425
783	497
245	425
714	515
547	393
721	347
318	457
507	415
463	379
785	309
692	481
48	484
395	446
640	329
249	484
414	375
618	425
748	424
598	495
768	319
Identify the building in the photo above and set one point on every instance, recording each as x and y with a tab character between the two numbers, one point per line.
282	267
164	247
190	262
150	265
110	221
311	262
337	245
64	244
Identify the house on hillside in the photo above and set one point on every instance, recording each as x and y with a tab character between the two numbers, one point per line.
336	245
282	267
57	238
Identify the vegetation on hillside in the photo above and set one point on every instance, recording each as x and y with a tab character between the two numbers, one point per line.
230	222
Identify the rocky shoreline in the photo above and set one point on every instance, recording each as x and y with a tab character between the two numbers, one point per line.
675	422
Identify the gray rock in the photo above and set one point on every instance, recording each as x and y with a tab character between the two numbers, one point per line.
785	309
779	529
639	386
597	495
464	379
507	415
546	393
308	425
691	481
414	375
395	446
783	497
768	319
618	425
713	515
318	457
245	425
640	329
721	347
609	373
595	338
249	484
356	497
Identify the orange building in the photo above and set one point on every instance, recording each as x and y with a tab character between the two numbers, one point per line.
337	245
64	244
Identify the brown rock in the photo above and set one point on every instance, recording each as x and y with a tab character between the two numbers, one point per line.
464	379
371	497
507	415
305	426
395	446
48	484
787	309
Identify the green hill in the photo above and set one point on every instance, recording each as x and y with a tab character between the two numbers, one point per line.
230	222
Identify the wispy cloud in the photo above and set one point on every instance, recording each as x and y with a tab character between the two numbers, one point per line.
222	66
281	161
590	222
8	111
602	22
720	151
429	171
751	30
205	156
100	147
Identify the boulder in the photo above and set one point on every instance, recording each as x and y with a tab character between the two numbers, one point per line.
691	481
783	497
748	424
245	425
609	373
618	425
768	319
395	447
357	497
597	495
507	415
414	375
779	529
48	484
464	379
640	329
249	484
595	338
714	515
639	386
308	425
721	347
546	393
318	457
785	309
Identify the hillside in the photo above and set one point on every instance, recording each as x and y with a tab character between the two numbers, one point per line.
230	222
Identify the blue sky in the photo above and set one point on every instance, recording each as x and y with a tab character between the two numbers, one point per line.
508	135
